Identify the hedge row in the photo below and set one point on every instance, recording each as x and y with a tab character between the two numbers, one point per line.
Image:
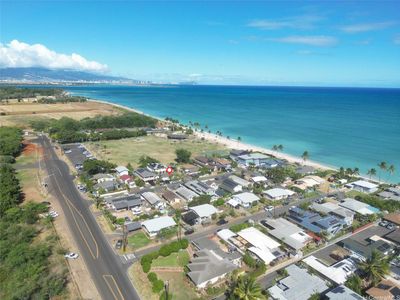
164	251
157	284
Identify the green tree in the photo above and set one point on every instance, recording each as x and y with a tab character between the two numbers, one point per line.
356	171
280	147
305	156
354	283
383	166
144	160
246	288
391	169
10	191
315	296
371	172
182	155
375	267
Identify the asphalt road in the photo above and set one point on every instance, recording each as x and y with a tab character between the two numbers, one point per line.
106	268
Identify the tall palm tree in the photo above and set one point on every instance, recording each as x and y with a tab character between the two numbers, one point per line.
391	169
246	288
383	166
280	147
371	172
354	283
305	156
375	267
275	148
356	171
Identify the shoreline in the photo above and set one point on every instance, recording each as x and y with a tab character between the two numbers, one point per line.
235	144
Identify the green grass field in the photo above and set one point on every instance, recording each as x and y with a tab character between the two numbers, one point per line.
130	150
179	259
179	285
138	240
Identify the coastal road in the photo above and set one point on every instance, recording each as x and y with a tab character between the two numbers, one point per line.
106	268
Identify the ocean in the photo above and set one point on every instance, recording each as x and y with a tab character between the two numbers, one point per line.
349	127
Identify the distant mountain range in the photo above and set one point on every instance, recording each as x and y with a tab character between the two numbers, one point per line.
43	75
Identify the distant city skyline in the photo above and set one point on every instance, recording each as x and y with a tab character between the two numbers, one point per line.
246	43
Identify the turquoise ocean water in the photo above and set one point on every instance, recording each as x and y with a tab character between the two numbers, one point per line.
347	127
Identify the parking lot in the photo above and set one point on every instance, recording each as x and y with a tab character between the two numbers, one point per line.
77	154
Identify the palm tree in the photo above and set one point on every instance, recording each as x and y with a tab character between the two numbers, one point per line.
383	166
280	147
391	169
356	171
371	172
354	283
349	171
315	296
375	267
305	156
246	288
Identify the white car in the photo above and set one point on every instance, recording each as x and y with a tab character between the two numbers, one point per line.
68	151
269	208
53	213
71	255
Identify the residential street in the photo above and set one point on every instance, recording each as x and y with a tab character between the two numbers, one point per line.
106	268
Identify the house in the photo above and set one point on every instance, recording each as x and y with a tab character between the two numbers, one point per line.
146	175
185	193
152	199
259	244
200	188
204	212
222	164
154	226
121	170
207	268
305	170
363	186
385	290
203	161
278	193
244	183
127	180
246	199
287	232
123	202
98	178
391	193
171	197
315	222
342	292
334	209
209	244
190	169
299	285
393	218
176	136
106	186
226	234
259	179
256	159
230	186
132	226
394	236
234	154
308	182
358	207
338	272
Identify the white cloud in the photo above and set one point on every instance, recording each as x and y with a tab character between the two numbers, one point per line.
19	54
316	40
298	22
365	27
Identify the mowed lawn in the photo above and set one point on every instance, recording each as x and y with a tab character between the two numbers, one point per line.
177	259
138	240
179	285
130	150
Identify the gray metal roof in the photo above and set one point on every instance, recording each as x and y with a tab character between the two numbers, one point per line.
342	292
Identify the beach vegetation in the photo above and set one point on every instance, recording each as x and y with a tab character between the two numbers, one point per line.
182	155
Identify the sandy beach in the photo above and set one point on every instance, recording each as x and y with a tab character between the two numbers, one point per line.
235	144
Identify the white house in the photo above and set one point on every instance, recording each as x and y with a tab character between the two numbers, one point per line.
358	206
154	226
363	186
121	170
309	182
246	199
204	211
278	193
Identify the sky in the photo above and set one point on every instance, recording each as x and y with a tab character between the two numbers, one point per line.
325	43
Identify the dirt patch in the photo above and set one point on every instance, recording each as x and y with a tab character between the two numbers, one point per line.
31	149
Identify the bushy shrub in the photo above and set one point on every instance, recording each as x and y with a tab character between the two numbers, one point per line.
158	285
152	277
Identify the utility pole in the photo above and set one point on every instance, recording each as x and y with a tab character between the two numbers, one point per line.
125	237
166	289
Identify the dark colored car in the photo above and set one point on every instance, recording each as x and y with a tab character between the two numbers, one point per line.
188	231
222	222
46	203
118	245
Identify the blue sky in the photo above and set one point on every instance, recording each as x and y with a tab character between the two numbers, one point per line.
274	43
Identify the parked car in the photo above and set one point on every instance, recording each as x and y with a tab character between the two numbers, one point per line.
188	231
383	223
269	208
71	255
118	245
46	203
68	151
391	226
222	222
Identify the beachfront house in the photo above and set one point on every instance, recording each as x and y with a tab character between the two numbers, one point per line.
299	285
234	154
363	186
154	226
309	182
254	158
278	193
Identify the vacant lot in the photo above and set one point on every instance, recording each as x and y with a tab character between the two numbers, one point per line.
138	240
20	114
130	150
179	285
179	259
